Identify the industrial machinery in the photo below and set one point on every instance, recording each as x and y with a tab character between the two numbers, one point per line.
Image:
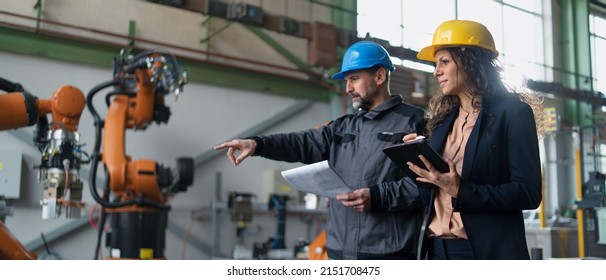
58	141
136	193
10	247
241	212
275	247
317	247
592	204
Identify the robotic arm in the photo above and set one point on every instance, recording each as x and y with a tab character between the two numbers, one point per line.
136	192
61	154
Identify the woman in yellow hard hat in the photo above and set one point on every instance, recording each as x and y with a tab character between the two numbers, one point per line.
488	135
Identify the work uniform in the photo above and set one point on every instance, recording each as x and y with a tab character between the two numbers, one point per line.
353	146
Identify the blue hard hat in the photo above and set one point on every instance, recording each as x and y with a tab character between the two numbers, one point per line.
362	55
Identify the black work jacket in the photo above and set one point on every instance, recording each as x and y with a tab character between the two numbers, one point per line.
353	146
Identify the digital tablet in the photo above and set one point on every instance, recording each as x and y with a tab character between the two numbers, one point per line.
409	151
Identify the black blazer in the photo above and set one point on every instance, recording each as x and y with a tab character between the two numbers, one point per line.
501	176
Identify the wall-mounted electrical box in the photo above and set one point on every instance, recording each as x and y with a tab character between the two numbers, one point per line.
215	8
290	26
245	13
10	172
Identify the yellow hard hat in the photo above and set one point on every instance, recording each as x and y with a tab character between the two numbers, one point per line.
454	33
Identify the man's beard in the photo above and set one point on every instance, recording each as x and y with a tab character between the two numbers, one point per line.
365	102
356	104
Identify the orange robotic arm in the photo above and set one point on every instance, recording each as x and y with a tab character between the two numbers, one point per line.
11	248
59	164
21	109
140	85
135	197
126	178
317	248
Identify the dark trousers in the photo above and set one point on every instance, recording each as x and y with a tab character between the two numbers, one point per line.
449	249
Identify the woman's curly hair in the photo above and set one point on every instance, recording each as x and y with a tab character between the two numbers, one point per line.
484	80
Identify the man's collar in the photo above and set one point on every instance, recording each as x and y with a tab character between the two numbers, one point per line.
393	101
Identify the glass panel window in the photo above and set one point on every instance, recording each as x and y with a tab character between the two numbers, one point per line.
534	6
597	28
381	19
421	18
516	26
522	46
600	69
491	17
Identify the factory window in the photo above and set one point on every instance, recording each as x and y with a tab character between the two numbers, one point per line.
411	24
405	23
597	29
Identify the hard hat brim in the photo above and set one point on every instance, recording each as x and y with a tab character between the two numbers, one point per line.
429	53
339	75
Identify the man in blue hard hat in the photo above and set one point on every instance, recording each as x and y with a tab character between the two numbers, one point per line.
382	216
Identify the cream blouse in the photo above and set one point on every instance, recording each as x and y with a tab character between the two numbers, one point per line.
446	223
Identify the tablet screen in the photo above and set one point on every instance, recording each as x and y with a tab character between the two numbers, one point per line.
410	151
